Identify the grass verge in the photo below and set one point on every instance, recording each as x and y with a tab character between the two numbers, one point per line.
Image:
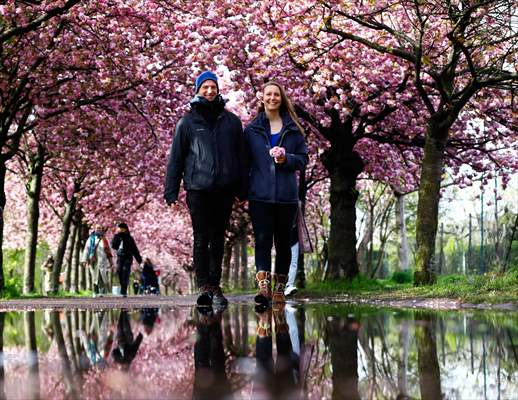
493	288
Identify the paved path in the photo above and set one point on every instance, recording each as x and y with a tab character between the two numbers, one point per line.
175	301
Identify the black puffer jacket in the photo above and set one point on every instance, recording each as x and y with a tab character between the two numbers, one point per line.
207	151
268	181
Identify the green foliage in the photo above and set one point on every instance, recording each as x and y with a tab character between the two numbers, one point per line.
402	277
13	269
13	287
358	284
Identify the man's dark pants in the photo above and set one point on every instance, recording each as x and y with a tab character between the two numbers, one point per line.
210	214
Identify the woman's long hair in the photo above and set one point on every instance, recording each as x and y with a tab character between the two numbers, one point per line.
286	105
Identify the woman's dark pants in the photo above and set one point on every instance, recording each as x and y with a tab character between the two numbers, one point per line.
272	223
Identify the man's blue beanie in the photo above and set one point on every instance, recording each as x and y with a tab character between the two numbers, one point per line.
205	76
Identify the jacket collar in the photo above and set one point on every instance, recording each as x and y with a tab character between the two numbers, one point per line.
261	125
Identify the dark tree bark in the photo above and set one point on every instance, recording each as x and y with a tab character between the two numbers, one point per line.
427	361
60	252
227	257
2	208
344	168
343	344
33	191
428	203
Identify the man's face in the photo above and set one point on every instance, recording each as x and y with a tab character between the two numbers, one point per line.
209	90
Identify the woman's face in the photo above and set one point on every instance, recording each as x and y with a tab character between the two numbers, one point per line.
272	98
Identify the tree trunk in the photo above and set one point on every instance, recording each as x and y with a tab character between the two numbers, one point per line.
402	370
70	255
78	246
402	234
244	261
227	257
82	268
60	252
470	250
428	203
343	171
370	253
68	378
33	386
2	208
33	215
244	329
441	268
427	362
237	263
343	345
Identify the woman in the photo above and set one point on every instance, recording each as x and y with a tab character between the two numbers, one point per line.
277	150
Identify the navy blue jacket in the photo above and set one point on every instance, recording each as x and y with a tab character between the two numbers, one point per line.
268	181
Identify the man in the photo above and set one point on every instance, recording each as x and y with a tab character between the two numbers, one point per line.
98	256
207	153
126	248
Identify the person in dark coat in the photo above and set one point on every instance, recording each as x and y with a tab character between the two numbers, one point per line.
207	153
127	345
126	248
276	149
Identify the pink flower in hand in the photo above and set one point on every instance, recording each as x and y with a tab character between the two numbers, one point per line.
277	152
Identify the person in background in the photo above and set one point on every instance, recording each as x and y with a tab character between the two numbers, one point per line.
291	289
98	257
126	248
207	153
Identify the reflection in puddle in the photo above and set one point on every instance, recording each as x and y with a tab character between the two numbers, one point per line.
298	352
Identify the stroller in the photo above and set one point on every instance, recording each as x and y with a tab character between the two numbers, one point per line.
149	279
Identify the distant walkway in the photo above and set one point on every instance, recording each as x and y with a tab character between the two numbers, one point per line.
89	303
151	301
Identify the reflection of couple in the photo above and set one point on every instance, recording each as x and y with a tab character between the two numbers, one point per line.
279	379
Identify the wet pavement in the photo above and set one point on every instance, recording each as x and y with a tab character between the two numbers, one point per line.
312	350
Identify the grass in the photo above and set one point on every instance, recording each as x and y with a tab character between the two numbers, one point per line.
490	288
34	295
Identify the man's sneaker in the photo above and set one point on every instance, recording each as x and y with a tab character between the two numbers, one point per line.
290	291
205	296
217	297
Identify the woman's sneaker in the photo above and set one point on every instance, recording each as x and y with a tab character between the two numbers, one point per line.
205	296
290	290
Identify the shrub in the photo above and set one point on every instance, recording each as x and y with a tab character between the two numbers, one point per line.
13	287
402	277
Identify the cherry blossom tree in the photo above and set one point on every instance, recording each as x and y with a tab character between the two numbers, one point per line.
461	55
